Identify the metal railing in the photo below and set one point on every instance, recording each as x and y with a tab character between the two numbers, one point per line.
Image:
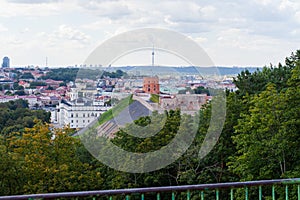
263	189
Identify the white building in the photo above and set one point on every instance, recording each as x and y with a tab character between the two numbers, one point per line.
78	113
32	100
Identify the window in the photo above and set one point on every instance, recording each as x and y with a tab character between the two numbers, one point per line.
83	121
76	114
72	115
83	114
72	121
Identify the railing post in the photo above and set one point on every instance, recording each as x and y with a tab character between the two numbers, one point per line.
142	197
202	195
286	192
217	194
158	196
273	192
173	196
188	195
246	193
298	186
260	192
231	194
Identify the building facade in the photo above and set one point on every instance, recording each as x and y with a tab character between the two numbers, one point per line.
187	103
78	113
151	85
6	62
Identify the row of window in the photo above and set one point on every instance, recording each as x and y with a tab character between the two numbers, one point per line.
85	115
83	121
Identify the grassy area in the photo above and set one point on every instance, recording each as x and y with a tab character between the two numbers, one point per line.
108	115
154	98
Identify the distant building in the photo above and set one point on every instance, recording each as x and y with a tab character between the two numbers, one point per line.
5	63
78	113
187	103
151	85
32	100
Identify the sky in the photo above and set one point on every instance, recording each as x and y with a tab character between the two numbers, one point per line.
232	32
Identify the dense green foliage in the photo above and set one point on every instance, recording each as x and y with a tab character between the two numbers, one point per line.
201	90
62	74
15	116
260	140
26	75
117	74
35	84
70	74
43	161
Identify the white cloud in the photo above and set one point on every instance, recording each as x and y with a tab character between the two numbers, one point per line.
37	8
289	5
69	33
243	39
77	26
25	30
297	16
109	9
32	1
3	28
263	2
200	39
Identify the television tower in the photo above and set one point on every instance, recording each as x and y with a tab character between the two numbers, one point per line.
153	56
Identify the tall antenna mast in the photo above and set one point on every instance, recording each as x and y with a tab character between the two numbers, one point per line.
152	60
46	61
153	55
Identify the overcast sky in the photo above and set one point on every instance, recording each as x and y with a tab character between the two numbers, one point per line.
232	32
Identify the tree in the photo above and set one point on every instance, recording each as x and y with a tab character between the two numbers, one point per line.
10	170
50	162
27	75
201	90
15	116
267	137
256	82
20	92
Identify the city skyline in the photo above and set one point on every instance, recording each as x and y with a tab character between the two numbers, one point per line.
65	32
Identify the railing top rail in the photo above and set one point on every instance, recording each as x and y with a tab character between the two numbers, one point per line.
156	189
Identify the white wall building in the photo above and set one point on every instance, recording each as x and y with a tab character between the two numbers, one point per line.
32	100
78	113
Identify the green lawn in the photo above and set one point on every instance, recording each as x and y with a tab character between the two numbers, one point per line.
108	115
154	98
